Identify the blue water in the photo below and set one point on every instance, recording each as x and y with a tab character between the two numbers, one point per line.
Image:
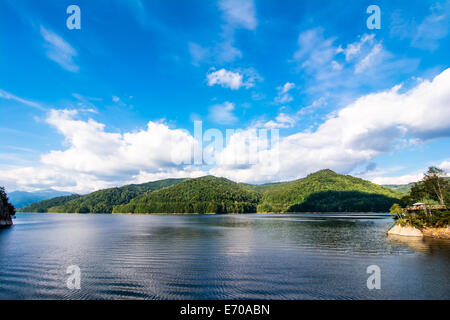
304	256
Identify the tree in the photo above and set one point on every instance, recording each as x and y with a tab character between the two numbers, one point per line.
418	192
5	201
396	211
435	185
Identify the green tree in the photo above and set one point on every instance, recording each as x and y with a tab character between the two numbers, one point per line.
396	210
5	202
418	192
435	184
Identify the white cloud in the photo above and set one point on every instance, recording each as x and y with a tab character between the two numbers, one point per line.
427	33
10	96
223	113
370	126
319	103
198	53
336	65
226	79
288	86
408	178
404	179
445	165
233	80
94	158
368	60
59	50
86	103
339	72
315	52
223	52
239	13
283	93
353	49
283	120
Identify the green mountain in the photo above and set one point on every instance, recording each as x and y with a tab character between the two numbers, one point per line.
403	188
201	195
45	205
327	191
323	191
103	201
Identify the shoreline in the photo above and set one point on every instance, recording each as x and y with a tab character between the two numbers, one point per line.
4	223
410	231
211	214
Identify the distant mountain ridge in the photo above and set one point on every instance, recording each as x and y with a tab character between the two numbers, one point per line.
45	205
22	199
403	188
323	191
103	201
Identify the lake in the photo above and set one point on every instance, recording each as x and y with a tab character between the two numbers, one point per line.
292	256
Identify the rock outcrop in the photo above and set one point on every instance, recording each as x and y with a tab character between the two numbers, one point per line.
439	233
405	231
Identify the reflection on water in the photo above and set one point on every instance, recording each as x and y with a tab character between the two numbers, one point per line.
303	256
424	245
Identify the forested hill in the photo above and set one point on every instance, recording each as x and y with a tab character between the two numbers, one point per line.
103	201
45	205
323	191
327	191
405	188
201	195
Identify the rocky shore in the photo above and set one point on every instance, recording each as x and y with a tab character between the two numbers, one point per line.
408	231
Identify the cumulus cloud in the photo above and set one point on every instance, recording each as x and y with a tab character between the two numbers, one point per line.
226	79
445	165
128	153
233	80
371	125
59	50
407	178
403	179
95	158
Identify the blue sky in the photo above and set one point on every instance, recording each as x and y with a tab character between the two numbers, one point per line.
110	103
